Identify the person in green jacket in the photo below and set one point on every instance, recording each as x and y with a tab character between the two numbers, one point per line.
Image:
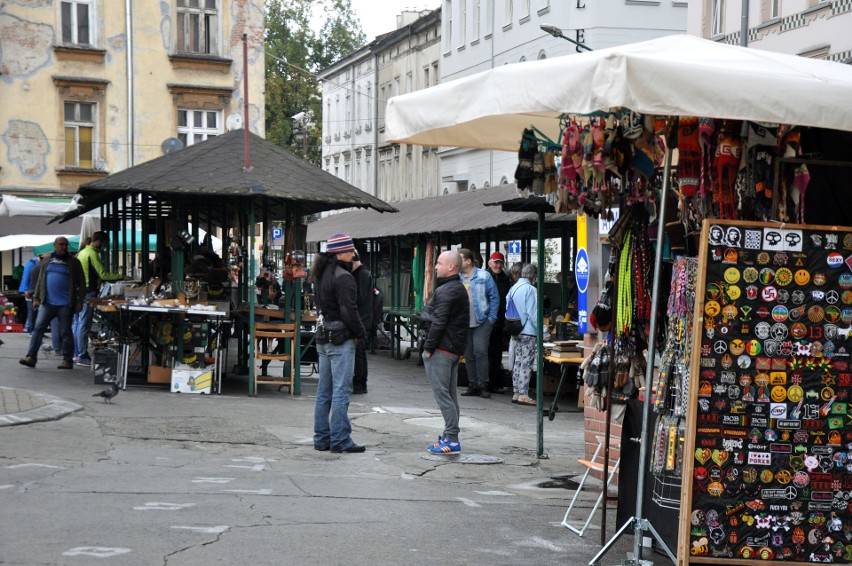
94	273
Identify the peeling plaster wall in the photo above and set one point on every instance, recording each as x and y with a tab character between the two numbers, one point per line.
31	126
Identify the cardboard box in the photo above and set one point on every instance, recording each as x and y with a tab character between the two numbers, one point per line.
159	374
192	381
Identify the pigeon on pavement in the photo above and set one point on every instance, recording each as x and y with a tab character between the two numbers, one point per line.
108	393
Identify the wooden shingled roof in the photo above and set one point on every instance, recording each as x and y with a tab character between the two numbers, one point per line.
213	170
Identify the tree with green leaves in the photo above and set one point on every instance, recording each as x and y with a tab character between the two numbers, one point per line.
302	38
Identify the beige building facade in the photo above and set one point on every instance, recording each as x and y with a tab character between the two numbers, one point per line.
91	87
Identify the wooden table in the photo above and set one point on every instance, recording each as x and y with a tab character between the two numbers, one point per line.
564	364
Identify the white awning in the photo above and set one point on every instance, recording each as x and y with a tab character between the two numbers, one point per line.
677	75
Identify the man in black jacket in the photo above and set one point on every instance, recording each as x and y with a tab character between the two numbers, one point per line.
364	286
338	328
497	342
447	316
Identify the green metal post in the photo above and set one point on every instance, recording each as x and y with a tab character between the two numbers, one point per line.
539	340
251	300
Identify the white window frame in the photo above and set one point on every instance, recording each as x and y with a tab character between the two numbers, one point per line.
526	8
489	17
347	127
448	25
774	9
717	20
477	19
462	22
510	9
74	24
209	33
75	123
187	133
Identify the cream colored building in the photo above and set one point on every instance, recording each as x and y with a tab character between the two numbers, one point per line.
355	92
810	28
90	87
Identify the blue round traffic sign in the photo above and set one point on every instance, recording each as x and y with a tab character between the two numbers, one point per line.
581	270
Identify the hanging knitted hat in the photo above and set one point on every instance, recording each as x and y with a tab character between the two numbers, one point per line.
689	155
526	152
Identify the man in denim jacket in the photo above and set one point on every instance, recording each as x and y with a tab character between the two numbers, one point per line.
484	305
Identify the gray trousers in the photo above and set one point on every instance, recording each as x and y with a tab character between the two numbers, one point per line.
442	371
476	356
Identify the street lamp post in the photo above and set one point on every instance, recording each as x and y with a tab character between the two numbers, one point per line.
556	32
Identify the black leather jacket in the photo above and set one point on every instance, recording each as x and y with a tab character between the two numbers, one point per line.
335	298
446	317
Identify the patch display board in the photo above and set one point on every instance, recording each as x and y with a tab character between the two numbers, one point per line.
768	453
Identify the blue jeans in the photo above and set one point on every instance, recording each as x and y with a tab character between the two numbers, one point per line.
82	325
28	326
331	414
44	315
476	356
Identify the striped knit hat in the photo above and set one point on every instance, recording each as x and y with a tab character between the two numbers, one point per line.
339	243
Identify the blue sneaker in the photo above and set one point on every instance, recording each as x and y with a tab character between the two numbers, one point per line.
445	447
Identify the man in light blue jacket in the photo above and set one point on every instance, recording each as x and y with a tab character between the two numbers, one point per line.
484	305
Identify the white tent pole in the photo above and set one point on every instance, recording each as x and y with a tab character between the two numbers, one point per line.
640	524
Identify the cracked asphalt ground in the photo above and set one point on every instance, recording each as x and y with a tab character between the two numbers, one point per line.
162	478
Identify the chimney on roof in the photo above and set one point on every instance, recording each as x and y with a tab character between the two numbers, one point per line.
408	16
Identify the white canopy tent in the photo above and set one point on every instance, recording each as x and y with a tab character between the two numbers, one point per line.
677	75
670	76
17	206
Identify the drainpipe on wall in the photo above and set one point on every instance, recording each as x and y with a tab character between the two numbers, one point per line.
128	14
744	25
493	41
376	125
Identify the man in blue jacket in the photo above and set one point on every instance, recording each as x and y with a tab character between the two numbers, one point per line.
58	294
484	306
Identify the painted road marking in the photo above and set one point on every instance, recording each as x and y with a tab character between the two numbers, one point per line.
97	551
504	493
16	466
468	502
255	491
255	468
215	530
213	480
257	462
7	486
163	506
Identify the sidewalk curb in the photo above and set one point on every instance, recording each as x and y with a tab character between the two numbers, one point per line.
54	408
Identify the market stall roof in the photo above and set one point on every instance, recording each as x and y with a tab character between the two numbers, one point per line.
213	170
677	75
459	212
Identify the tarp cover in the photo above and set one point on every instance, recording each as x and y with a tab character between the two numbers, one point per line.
677	75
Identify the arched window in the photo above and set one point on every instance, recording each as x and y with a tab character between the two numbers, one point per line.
542	55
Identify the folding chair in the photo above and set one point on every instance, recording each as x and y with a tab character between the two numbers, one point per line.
265	333
593	465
